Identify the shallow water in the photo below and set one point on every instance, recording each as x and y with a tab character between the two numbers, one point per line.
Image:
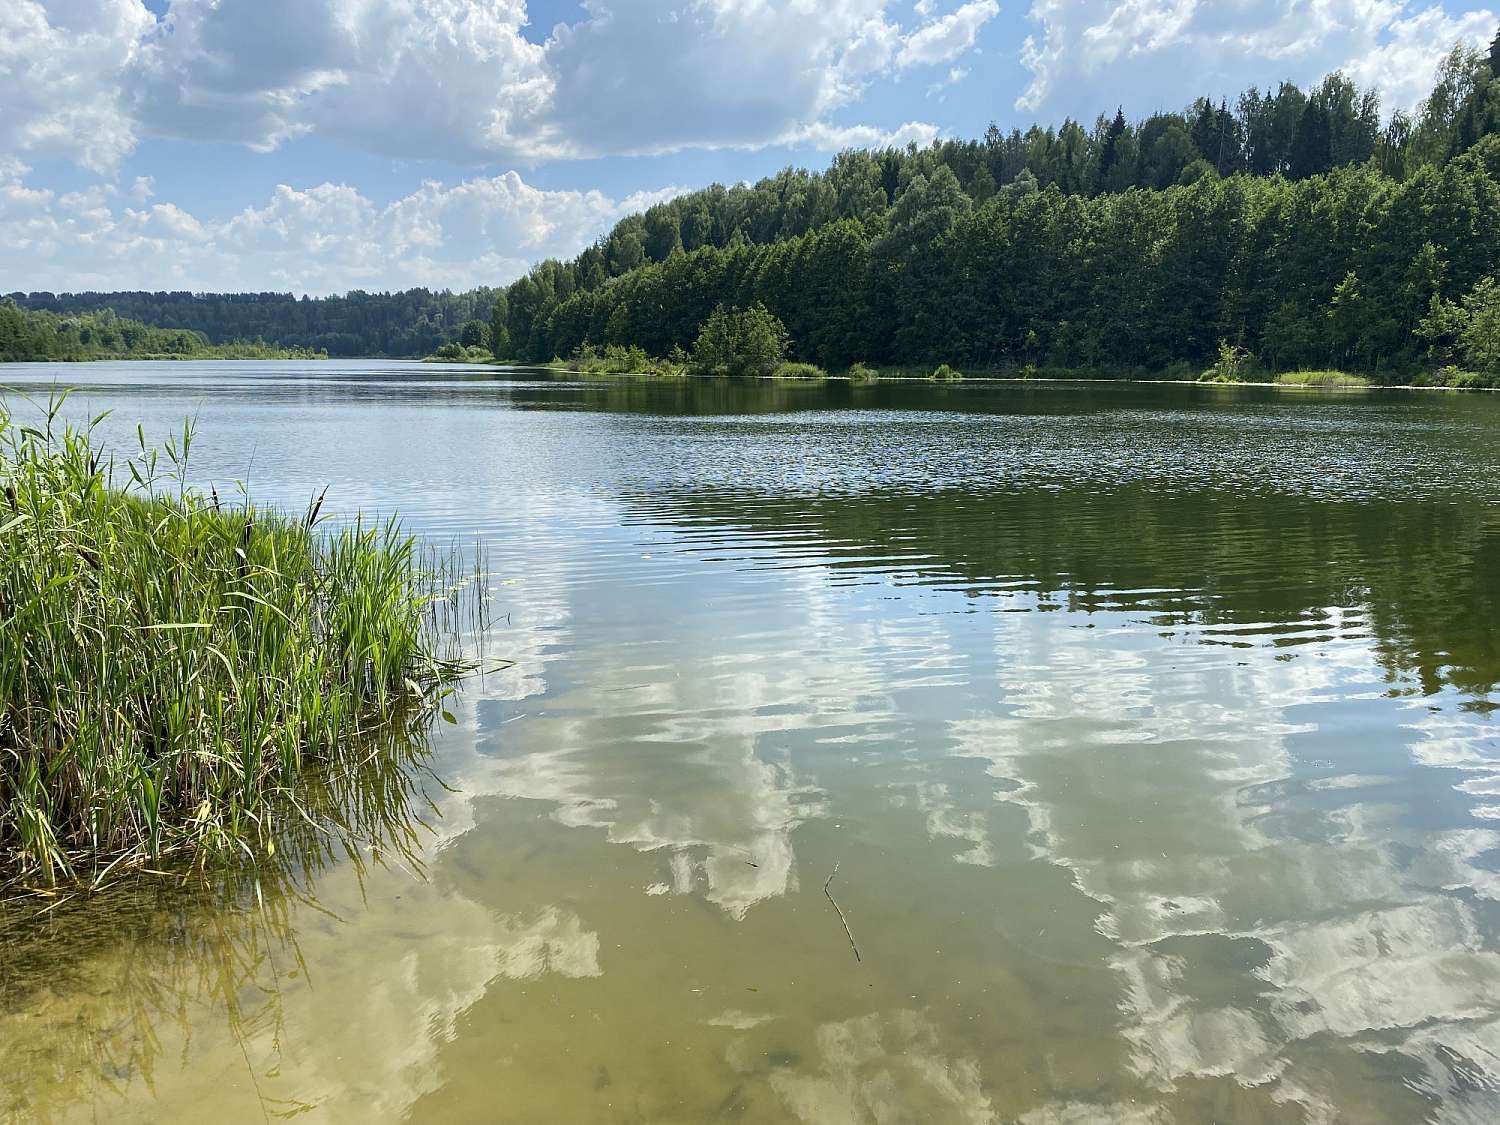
1148	729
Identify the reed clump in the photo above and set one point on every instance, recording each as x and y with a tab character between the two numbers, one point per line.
170	664
1340	379
789	370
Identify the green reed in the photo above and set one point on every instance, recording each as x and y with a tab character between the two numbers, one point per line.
171	665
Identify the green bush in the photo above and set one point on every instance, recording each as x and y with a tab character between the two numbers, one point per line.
740	342
1462	380
1468	330
946	374
619	359
1233	364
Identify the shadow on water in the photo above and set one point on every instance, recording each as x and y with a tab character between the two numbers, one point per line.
1231	570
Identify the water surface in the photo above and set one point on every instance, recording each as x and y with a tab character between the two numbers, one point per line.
1149	730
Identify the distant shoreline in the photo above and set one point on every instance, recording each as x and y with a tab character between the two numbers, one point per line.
171	359
1360	387
988	378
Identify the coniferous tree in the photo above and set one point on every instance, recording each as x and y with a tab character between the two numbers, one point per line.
1228	144
1312	146
1206	132
1286	115
1109	151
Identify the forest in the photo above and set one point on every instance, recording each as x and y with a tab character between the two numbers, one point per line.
414	322
1294	230
33	336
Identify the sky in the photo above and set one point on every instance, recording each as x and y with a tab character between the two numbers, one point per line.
318	146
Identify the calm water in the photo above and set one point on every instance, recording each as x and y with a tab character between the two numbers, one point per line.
1149	729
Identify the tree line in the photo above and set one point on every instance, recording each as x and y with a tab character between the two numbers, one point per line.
414	322
1352	270
1295	226
32	335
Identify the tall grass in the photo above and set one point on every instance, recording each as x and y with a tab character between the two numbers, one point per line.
1336	379
170	663
788	370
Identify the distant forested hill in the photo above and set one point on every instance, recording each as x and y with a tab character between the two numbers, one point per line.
35	335
414	322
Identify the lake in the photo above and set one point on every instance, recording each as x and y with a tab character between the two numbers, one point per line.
898	753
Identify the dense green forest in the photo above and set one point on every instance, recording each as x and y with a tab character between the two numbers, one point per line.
411	323
28	335
1293	230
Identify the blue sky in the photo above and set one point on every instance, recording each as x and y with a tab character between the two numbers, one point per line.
321	145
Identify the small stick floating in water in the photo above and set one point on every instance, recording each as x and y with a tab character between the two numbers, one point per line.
842	919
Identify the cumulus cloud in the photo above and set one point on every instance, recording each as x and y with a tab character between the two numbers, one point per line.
721	72
450	78
473	81
1404	65
1155	54
948	37
457	80
61	70
319	240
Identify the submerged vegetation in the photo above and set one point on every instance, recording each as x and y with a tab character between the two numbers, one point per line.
44	336
171	664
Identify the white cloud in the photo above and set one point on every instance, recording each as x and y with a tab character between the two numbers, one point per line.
61	68
456	80
1405	64
322	239
410	78
645	77
948	37
1160	54
833	138
954	76
142	189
